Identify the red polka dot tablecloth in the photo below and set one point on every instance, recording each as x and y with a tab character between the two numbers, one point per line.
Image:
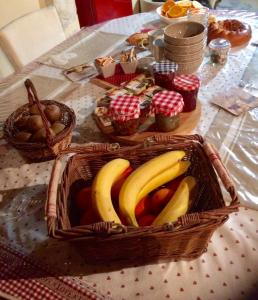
228	270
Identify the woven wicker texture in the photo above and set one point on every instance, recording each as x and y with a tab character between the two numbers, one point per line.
101	242
54	144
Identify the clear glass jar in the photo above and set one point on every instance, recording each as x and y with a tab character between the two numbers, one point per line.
166	106
124	112
144	111
164	73
219	50
165	123
188	87
125	127
199	15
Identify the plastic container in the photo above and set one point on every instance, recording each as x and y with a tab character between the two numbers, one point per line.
219	50
164	73
167	105
188	87
125	112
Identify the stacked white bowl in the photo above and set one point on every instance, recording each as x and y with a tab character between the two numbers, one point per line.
184	44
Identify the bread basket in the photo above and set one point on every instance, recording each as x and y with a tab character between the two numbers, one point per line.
187	238
39	151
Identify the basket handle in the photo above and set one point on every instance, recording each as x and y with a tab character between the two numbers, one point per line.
50	206
222	172
160	139
33	99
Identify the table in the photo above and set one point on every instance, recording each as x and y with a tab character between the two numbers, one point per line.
229	268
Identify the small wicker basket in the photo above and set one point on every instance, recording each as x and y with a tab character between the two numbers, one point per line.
38	151
187	238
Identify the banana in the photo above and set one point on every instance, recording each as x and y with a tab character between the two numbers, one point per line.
128	196
164	177
101	188
178	204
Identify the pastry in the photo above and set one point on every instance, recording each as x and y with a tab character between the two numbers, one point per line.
236	32
139	40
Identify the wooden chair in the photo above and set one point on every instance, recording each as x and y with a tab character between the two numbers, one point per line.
28	37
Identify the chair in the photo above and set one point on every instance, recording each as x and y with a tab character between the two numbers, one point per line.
6	67
28	37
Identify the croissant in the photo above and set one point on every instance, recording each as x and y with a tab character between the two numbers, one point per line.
139	40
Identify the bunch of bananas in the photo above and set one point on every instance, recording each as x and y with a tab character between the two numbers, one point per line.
142	181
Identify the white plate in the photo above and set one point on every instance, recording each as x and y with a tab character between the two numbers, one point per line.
170	20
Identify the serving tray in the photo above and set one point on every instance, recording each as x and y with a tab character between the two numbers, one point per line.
188	121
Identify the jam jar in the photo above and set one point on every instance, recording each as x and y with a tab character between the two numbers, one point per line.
167	105
144	110
124	112
219	49
164	73
188	87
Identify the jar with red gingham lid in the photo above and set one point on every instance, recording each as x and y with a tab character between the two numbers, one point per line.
167	105
164	73
188	87
125	112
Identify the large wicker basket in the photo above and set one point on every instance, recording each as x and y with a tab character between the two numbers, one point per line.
106	242
38	151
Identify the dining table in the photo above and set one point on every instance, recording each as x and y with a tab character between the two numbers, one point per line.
35	266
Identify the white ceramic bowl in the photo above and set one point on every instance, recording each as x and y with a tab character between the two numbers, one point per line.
170	20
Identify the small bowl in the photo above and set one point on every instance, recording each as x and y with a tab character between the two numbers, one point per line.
185	57
170	20
187	49
184	33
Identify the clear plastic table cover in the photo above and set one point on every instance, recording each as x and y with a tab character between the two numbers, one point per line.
233	246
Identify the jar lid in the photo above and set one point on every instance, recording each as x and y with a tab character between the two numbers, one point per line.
168	103
219	44
165	67
186	82
125	108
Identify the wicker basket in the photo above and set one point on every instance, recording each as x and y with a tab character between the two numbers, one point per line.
108	242
38	151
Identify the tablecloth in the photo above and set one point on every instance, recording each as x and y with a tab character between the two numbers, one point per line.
227	271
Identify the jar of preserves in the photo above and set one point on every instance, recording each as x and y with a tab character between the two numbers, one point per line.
144	110
124	112
164	73
188	87
219	50
166	106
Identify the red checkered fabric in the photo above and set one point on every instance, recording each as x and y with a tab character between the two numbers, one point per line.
125	108
165	67
25	278
186	82
168	103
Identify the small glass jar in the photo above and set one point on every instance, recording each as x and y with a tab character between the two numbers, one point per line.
144	110
188	87
167	105
199	15
166	124
124	112
164	73
219	50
